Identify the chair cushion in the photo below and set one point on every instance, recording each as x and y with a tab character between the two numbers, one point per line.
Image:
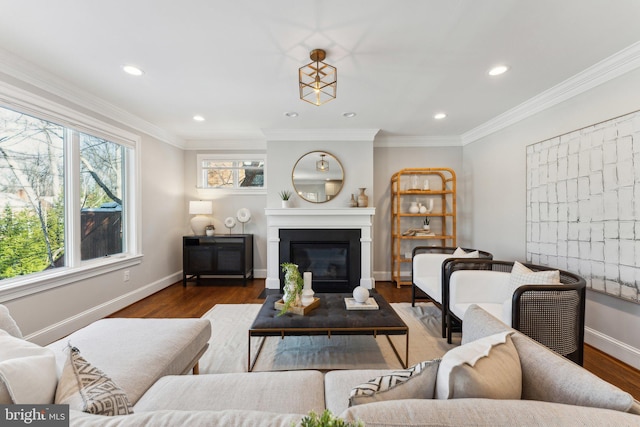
427	274
86	388
28	372
488	368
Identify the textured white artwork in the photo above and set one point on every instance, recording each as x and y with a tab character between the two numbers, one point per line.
583	205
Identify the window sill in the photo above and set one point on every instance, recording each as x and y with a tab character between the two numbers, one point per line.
211	192
34	283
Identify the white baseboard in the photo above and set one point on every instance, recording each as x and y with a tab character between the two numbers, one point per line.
63	328
382	276
621	351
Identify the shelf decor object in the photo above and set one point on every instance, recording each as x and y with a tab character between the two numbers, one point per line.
421	215
244	216
318	80
200	208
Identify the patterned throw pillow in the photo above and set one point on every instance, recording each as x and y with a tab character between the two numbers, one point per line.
86	388
416	382
521	275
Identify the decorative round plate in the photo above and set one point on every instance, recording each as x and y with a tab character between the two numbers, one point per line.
244	215
230	222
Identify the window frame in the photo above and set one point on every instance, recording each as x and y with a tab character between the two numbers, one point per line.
232	157
39	107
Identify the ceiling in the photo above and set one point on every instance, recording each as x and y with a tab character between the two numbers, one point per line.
236	62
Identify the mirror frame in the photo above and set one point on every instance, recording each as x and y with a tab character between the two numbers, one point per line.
317	152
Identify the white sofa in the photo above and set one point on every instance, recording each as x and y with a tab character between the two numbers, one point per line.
554	392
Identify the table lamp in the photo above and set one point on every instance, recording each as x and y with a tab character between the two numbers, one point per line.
200	208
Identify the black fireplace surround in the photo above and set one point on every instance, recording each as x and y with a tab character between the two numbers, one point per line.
331	255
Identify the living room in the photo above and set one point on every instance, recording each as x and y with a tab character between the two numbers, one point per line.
488	150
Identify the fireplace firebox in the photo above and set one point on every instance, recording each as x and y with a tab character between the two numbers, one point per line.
331	255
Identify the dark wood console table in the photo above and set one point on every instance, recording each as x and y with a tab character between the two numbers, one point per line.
223	255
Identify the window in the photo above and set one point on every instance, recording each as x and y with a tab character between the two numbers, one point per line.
231	172
65	193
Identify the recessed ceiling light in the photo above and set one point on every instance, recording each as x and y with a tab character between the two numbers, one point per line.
349	114
497	70
291	114
198	118
439	116
133	70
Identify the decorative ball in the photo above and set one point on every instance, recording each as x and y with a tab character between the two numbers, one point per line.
360	294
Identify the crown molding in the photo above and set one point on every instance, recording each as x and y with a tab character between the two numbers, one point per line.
614	66
320	134
29	73
239	144
417	141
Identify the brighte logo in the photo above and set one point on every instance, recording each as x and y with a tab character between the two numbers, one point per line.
35	415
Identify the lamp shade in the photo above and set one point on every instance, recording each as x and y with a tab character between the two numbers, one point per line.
200	207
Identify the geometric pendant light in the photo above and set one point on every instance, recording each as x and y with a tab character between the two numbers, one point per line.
318	80
322	165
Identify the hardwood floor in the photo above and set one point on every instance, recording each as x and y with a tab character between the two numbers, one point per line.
194	301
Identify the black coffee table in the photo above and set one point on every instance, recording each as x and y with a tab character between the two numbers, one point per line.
330	318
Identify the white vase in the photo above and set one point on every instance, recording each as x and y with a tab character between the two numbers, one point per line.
414	208
285	203
307	297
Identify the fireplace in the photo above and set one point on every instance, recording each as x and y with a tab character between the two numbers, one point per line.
323	220
331	255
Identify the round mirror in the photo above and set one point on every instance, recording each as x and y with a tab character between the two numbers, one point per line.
318	177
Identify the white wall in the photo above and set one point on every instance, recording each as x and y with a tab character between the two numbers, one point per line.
356	158
227	205
494	183
388	161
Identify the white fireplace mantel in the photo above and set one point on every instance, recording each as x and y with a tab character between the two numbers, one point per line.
299	218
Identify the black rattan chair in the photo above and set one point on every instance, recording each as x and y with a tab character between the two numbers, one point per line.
551	314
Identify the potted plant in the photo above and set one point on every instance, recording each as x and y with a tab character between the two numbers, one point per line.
285	195
293	285
327	419
425	225
209	230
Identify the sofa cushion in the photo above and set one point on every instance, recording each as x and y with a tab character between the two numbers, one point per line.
8	324
283	392
547	376
483	413
84	387
173	418
153	348
486	368
416	382
27	371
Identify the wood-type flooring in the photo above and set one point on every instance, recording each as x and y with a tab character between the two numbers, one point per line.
195	300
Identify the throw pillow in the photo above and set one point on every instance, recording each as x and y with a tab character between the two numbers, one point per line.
460	253
28	373
488	368
86	388
522	275
8	324
417	382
